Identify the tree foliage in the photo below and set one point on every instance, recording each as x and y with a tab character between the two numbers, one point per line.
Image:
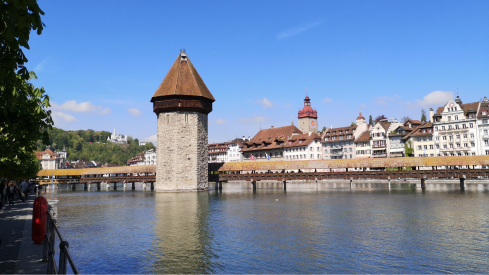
408	149
91	145
379	118
370	121
423	115
23	108
405	119
324	129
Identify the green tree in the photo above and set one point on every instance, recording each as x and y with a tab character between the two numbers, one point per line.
370	121
23	108
324	129
408	149
353	124
423	115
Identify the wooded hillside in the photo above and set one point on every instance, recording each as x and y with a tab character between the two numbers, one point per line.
92	145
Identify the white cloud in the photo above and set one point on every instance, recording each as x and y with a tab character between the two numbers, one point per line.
254	119
60	117
298	30
41	65
265	103
220	121
437	98
327	100
82	107
152	138
363	105
134	112
384	100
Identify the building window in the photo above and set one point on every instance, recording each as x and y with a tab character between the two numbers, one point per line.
471	125
484	121
419	147
431	146
444	137
456	117
443	128
312	156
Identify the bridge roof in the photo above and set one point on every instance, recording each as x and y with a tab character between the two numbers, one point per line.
97	171
355	163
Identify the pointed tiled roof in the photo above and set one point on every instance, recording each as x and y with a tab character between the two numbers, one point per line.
182	79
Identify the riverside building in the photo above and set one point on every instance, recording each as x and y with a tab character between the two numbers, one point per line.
339	143
218	152
483	127
269	142
455	132
303	147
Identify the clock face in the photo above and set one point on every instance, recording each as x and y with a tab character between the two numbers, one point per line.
313	123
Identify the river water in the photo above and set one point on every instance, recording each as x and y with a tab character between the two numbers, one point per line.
307	229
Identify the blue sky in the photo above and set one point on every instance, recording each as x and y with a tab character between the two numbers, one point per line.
101	61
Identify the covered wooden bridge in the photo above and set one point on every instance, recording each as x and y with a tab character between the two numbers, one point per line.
423	168
458	167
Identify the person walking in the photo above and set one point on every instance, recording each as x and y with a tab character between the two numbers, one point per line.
3	189
10	192
24	190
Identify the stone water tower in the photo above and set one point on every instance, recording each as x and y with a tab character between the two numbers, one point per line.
182	103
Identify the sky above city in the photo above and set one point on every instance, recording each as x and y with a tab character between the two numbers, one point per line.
102	61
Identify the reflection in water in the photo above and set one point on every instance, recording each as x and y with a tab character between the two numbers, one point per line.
183	242
323	228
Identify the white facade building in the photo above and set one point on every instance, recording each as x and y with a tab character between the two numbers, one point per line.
455	129
117	138
234	153
150	157
51	160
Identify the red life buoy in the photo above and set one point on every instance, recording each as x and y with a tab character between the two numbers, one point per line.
39	219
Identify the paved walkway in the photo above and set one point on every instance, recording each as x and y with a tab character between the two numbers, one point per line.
18	253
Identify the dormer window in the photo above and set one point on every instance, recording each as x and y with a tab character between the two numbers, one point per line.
484	113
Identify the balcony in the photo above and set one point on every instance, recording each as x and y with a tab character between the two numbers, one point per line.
485	136
378	145
379	155
337	154
437	142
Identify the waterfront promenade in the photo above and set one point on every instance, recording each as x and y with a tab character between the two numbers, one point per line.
18	253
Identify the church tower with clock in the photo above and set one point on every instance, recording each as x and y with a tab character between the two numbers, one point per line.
308	118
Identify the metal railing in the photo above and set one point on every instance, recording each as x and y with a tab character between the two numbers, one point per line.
64	252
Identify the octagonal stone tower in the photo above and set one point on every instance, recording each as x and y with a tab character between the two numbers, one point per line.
182	103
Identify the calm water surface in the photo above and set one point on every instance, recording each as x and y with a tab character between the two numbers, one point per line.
308	229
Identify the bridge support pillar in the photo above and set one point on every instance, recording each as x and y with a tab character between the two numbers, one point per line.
254	185
351	181
423	183
389	181
285	184
217	185
115	185
152	186
85	186
220	185
98	185
73	186
462	183
133	187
